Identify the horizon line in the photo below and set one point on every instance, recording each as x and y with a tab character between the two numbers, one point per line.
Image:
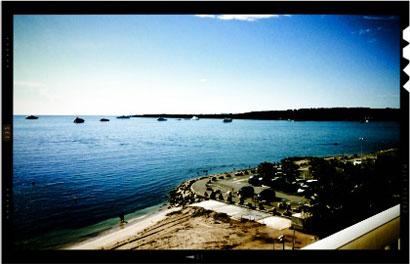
227	113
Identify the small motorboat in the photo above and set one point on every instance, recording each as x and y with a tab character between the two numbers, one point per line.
161	119
195	118
104	120
31	117
78	120
227	120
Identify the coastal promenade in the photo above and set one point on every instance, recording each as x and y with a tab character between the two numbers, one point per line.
238	213
235	183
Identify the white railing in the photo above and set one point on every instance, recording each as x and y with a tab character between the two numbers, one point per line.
376	232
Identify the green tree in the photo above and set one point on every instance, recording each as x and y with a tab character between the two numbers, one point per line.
267	171
290	170
246	192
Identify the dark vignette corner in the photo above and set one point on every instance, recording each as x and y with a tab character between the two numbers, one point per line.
404	137
7	130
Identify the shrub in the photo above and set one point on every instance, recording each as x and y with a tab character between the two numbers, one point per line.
200	212
268	195
246	192
221	217
266	169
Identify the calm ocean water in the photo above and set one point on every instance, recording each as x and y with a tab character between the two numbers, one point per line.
87	174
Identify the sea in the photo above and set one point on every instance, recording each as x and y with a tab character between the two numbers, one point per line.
72	181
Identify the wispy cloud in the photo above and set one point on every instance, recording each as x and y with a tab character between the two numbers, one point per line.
203	80
364	31
369	34
380	17
206	16
241	17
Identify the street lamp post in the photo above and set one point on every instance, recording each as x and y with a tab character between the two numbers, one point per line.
281	238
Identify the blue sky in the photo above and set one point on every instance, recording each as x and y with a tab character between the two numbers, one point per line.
110	65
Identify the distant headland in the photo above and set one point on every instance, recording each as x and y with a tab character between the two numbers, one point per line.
363	114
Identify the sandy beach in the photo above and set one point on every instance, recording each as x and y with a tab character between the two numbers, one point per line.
195	228
111	239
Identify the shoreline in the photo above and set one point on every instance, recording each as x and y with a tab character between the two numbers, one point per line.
302	114
114	235
178	203
195	228
113	225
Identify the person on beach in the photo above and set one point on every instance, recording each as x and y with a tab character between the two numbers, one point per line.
122	219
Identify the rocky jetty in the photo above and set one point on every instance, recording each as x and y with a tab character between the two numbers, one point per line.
31	117
183	195
78	120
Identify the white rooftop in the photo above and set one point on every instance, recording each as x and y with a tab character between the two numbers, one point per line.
276	222
237	212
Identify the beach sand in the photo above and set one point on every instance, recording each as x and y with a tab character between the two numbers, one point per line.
195	228
110	239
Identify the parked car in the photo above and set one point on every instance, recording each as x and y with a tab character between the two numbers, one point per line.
255	180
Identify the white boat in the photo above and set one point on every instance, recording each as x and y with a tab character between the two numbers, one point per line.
195	118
